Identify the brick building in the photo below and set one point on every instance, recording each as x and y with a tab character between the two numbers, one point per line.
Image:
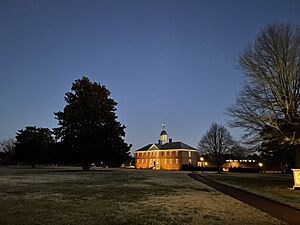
165	155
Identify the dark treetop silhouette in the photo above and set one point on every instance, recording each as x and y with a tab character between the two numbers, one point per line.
89	130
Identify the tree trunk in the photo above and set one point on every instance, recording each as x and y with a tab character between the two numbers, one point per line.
219	168
86	167
297	157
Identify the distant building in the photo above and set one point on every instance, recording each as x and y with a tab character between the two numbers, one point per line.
239	165
165	155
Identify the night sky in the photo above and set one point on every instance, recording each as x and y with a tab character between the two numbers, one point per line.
163	61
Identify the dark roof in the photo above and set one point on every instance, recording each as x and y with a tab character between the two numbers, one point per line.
163	132
145	147
170	145
177	145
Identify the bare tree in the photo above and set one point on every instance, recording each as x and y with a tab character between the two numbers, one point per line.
268	105
215	143
7	147
239	152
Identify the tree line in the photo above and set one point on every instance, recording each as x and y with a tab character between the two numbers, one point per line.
88	132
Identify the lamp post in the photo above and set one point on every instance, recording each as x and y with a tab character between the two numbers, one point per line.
202	161
260	165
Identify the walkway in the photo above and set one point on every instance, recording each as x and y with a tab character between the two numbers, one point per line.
283	212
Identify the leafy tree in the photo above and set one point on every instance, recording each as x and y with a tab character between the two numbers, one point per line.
216	143
273	151
268	107
33	145
7	148
89	130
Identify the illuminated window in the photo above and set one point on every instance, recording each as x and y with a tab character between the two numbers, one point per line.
170	161
146	160
190	154
150	160
176	161
142	160
190	161
138	161
165	161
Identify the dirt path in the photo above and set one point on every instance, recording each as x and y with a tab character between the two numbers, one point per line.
283	212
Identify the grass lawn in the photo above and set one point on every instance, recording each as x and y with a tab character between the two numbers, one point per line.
274	186
116	196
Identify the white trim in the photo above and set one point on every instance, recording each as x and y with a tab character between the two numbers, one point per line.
155	147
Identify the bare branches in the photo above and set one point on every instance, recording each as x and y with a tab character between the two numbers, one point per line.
216	142
7	145
270	98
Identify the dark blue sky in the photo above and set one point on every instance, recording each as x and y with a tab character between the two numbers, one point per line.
163	61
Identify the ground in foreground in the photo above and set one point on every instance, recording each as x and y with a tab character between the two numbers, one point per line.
273	186
116	196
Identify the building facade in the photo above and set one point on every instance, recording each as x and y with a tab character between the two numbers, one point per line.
241	164
165	155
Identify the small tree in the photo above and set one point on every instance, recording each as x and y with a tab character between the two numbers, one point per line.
272	150
33	145
7	148
215	143
89	130
239	152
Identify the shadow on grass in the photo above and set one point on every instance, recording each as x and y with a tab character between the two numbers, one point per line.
49	170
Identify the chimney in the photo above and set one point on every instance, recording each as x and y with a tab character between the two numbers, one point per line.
170	140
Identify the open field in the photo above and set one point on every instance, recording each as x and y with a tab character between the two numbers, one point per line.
274	186
116	196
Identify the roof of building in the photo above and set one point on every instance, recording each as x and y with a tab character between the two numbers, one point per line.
166	146
163	132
